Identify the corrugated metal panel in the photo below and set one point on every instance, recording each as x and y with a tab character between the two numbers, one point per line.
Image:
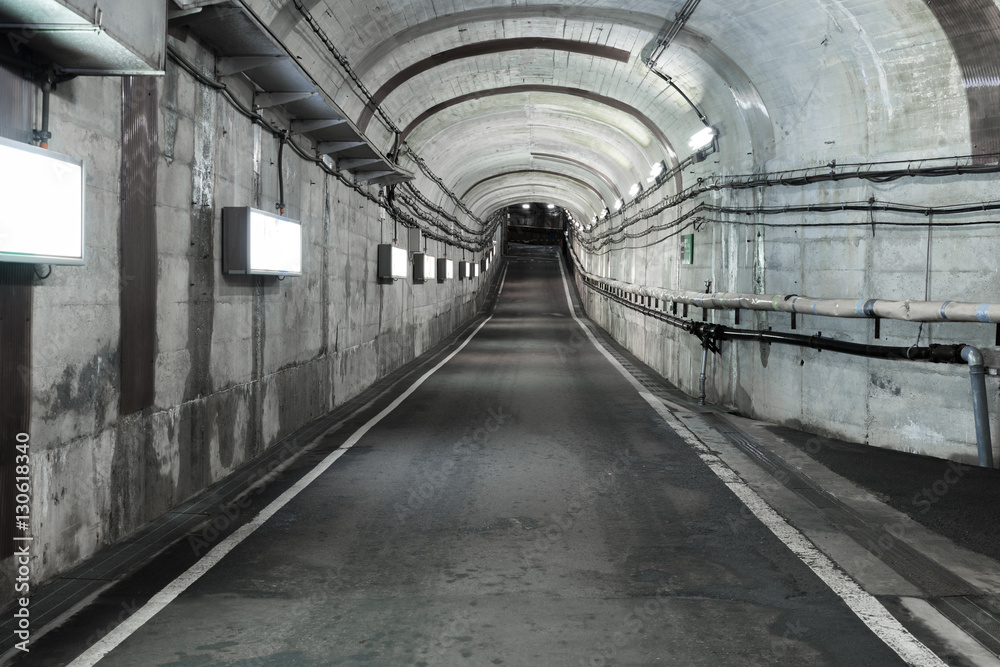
15	106
138	243
973	28
15	321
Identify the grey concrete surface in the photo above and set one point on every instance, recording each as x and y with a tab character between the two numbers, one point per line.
527	113
523	507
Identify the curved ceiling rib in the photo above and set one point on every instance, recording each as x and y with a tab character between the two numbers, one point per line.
520	134
973	29
538	88
580	163
636	20
488	48
546	172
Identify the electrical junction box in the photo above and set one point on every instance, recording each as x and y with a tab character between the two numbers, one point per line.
414	240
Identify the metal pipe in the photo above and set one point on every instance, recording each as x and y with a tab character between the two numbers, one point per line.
977	372
281	174
701	378
972	356
908	311
45	135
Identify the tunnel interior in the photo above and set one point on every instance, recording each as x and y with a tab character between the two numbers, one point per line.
817	168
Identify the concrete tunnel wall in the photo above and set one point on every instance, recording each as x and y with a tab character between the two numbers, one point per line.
240	363
901	97
789	85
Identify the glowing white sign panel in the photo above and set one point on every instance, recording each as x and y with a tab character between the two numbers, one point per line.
275	245
430	268
42	216
259	243
392	262
424	268
445	270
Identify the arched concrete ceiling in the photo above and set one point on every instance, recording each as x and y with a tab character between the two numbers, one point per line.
482	88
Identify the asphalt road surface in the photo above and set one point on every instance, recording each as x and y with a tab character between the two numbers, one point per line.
524	506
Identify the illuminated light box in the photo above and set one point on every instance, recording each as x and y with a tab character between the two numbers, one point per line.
257	243
485	264
475	270
42	195
463	270
445	270
392	262
424	268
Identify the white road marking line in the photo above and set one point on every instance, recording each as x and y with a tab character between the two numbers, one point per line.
863	604
159	601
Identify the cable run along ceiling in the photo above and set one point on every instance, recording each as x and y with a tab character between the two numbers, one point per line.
557	102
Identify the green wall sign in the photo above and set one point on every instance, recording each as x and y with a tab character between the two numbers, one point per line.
687	249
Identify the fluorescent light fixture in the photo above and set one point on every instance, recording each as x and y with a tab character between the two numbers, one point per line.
463	270
424	268
551	206
656	169
445	270
258	243
392	262
618	204
702	139
475	269
525	205
484	264
42	195
634	190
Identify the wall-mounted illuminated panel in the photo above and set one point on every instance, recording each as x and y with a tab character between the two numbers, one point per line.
475	269
463	271
484	264
257	243
424	268
392	262
445	270
41	195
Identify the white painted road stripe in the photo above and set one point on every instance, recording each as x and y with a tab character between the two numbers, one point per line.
159	601
863	604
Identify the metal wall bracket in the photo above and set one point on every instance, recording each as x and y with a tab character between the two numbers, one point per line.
333	147
236	64
313	124
267	100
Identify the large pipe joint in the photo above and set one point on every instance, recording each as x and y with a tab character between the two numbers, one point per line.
973	356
